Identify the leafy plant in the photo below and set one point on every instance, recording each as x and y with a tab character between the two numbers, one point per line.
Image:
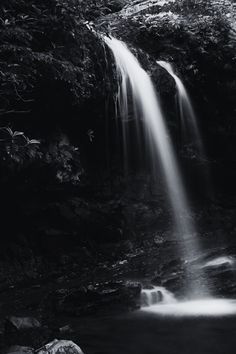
16	147
63	159
58	162
47	41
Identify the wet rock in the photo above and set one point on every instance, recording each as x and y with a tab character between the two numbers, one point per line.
220	261
172	264
60	347
174	282
158	240
160	296
157	280
66	329
222	280
21	323
72	301
16	349
25	331
108	296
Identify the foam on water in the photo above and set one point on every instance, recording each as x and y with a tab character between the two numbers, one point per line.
167	305
195	308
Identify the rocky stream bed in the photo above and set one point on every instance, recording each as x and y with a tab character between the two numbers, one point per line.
69	288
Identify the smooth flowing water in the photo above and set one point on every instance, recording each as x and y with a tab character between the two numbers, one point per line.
190	130
136	85
162	302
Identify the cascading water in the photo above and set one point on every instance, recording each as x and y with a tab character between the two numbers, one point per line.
191	133
134	81
156	295
160	301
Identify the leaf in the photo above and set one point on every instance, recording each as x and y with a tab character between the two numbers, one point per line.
10	131
33	141
16	133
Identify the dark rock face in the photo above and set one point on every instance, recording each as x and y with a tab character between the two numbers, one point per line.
108	297
222	279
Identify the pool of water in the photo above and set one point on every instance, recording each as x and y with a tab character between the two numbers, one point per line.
208	307
148	333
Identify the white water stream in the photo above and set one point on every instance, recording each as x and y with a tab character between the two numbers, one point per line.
136	86
190	129
134	81
162	302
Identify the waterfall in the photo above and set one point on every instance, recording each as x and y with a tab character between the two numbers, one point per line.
191	133
136	85
156	295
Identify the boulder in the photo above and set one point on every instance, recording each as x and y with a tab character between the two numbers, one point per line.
25	331
21	323
60	347
66	329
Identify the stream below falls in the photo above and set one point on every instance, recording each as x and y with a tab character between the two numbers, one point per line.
141	332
